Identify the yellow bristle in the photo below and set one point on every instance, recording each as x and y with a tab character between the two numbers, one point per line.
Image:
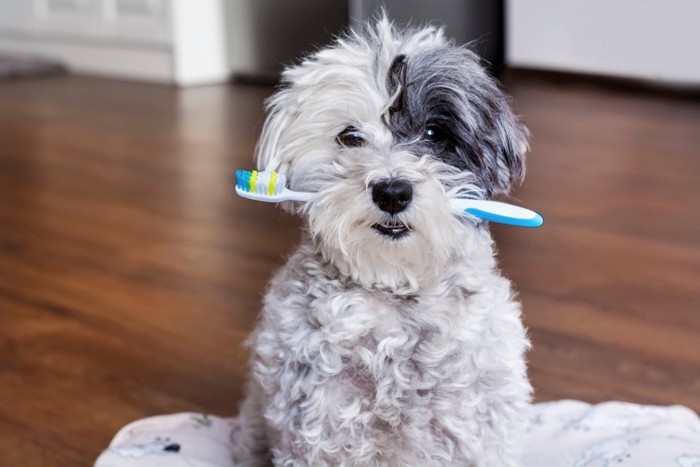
253	180
273	180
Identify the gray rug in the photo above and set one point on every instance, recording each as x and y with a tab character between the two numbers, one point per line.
16	67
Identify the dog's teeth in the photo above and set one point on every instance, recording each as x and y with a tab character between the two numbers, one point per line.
392	230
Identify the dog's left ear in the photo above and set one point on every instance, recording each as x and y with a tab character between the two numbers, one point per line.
500	138
508	144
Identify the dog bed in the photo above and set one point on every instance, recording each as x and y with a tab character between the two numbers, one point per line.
561	433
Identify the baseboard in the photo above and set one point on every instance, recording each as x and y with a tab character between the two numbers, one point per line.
149	64
684	91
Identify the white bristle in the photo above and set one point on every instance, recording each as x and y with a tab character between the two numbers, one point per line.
280	183
262	183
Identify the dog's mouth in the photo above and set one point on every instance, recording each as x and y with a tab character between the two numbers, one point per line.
391	230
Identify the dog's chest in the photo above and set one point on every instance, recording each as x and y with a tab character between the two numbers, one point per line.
388	349
381	372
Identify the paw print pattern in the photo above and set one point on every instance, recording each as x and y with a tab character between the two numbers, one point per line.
595	421
651	411
159	446
202	421
535	421
606	453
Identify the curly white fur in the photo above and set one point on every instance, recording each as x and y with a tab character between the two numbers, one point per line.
388	351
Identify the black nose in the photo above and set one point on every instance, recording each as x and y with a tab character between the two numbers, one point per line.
392	195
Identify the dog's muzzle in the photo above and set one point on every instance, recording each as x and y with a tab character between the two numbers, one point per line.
392	196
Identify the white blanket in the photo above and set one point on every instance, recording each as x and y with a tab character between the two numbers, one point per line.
562	433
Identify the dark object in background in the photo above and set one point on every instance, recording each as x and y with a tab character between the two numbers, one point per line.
477	22
20	67
267	35
273	33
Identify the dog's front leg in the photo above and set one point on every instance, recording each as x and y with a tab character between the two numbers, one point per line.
250	446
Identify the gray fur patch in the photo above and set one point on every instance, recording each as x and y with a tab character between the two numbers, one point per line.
447	106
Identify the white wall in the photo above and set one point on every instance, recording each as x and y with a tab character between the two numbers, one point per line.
168	41
649	39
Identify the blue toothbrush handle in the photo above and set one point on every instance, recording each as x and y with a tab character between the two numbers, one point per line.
503	213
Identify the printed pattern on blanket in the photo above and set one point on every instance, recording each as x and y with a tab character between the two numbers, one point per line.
183	439
562	434
576	434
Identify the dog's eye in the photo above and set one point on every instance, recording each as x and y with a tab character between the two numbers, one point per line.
434	133
350	137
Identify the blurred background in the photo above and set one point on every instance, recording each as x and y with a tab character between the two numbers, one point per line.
210	41
130	274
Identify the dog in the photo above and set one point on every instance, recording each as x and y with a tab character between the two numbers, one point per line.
390	337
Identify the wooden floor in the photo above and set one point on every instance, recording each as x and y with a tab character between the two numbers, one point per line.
130	274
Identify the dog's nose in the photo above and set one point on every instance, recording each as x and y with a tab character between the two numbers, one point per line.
392	195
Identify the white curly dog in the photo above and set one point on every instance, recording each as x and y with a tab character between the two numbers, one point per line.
390	336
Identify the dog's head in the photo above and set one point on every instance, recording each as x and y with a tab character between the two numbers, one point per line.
386	127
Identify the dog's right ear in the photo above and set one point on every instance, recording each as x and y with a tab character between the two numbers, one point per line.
279	117
273	151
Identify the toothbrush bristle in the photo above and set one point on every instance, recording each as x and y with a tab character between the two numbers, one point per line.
243	179
278	182
261	183
254	182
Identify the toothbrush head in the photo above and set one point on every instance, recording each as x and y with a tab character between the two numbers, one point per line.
270	187
260	183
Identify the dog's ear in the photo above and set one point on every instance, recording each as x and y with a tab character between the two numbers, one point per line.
511	144
499	139
273	152
279	115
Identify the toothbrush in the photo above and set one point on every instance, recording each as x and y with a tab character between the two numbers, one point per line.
271	187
